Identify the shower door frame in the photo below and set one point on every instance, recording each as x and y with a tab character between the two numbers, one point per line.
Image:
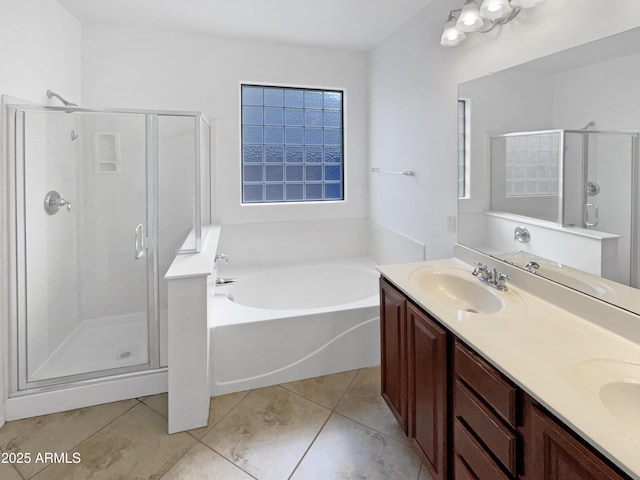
18	384
635	196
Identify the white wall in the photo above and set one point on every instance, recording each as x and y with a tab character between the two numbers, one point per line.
550	27
413	125
497	103
288	242
159	69
605	92
39	50
413	93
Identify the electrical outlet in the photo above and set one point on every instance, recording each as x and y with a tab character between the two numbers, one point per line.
451	223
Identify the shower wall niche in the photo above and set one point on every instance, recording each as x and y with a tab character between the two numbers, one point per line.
87	264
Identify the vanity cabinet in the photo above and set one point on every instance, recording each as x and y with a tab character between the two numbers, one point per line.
467	420
428	390
415	376
393	361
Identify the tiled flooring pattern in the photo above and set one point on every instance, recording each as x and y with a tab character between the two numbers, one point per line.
327	428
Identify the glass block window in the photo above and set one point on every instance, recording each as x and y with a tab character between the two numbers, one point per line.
532	164
292	144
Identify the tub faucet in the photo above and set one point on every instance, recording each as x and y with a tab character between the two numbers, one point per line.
226	281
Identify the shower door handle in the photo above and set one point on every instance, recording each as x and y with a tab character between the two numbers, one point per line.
595	214
139	242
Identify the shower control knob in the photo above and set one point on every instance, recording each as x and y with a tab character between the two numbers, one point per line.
593	189
53	202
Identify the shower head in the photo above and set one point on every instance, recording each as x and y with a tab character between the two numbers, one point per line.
589	125
52	94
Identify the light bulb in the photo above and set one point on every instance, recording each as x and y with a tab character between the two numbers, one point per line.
451	36
495	9
470	20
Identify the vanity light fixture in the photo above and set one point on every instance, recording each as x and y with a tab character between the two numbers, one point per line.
451	35
481	17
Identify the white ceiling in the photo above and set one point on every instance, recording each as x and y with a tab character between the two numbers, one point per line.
353	24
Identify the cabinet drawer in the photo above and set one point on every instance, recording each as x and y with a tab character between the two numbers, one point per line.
487	382
498	438
474	455
461	471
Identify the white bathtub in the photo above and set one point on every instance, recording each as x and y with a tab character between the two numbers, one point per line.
289	322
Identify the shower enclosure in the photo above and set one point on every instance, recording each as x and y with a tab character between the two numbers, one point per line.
582	178
100	202
601	191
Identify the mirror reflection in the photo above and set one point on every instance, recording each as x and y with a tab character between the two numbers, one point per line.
551	167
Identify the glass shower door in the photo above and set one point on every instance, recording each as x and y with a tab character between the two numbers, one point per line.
608	191
82	215
599	193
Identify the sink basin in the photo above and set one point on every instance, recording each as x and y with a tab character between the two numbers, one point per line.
571	281
615	385
568	276
622	399
454	290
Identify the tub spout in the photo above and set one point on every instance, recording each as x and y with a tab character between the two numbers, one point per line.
226	281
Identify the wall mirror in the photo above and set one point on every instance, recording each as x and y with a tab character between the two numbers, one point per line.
552	149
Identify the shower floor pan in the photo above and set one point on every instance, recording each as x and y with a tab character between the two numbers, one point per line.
98	344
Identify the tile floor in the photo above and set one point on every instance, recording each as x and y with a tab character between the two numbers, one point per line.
326	428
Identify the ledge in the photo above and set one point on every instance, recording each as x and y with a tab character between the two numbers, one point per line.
197	264
579	231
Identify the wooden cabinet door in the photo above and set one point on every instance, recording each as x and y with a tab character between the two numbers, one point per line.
428	385
393	350
556	455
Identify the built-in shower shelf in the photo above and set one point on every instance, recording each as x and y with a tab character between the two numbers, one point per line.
106	152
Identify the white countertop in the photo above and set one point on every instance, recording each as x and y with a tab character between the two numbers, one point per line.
557	357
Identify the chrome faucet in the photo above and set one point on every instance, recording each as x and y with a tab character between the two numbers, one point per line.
225	281
532	267
492	277
481	271
500	280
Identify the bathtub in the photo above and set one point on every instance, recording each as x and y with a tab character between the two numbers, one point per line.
282	323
